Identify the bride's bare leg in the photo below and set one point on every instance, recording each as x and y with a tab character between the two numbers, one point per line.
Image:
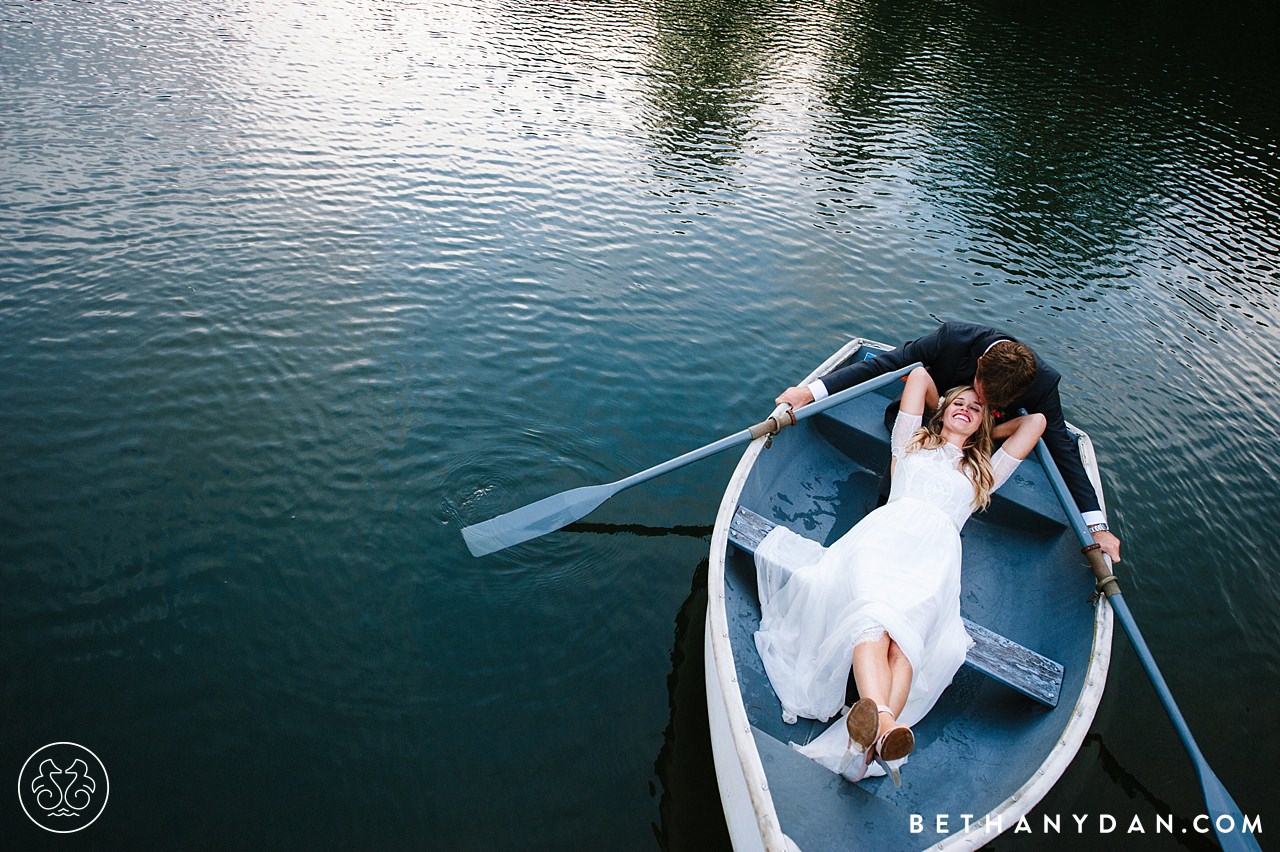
871	670
896	741
883	675
882	672
873	676
899	678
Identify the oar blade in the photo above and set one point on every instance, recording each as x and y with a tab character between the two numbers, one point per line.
1234	834
536	519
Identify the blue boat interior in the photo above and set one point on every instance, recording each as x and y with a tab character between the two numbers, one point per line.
1023	577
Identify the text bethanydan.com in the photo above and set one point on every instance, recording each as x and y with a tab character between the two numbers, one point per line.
1086	824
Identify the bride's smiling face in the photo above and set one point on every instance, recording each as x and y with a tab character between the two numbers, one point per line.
964	414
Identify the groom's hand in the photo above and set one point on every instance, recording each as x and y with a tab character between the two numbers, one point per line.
1109	543
795	397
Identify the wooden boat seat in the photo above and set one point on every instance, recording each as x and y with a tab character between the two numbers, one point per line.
1033	675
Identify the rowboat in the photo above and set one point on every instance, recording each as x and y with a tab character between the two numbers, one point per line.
1011	722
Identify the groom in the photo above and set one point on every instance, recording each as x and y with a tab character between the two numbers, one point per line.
1006	374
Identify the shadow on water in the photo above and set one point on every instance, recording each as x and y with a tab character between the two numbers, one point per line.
689	809
1184	828
687	530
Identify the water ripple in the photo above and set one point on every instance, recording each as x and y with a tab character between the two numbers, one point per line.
290	293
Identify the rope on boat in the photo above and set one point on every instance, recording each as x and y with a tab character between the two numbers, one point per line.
1106	579
774	424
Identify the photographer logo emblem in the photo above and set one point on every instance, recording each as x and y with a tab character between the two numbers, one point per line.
63	787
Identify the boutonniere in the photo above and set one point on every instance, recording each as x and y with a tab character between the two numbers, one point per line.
997	414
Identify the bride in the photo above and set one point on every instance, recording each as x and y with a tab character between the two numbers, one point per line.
885	597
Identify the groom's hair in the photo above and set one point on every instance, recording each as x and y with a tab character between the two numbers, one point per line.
1006	371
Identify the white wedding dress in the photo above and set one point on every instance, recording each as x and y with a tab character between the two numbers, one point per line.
897	572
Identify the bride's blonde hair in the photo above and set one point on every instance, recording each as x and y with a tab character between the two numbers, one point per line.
977	450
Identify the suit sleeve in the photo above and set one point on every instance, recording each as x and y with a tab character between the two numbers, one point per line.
925	350
1066	453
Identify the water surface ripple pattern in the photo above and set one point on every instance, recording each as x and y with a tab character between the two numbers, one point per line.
291	292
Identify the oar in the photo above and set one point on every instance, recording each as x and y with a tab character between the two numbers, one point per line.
1228	821
551	513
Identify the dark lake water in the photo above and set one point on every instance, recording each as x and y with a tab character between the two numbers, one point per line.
292	291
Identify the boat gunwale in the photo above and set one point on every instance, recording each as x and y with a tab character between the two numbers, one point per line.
720	658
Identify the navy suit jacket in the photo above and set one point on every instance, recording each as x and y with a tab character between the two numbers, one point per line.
951	354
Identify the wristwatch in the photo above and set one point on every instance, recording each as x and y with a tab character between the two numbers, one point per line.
1094	528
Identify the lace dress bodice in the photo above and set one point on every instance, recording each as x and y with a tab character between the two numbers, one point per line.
934	476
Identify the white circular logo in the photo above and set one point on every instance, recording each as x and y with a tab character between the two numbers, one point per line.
63	787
